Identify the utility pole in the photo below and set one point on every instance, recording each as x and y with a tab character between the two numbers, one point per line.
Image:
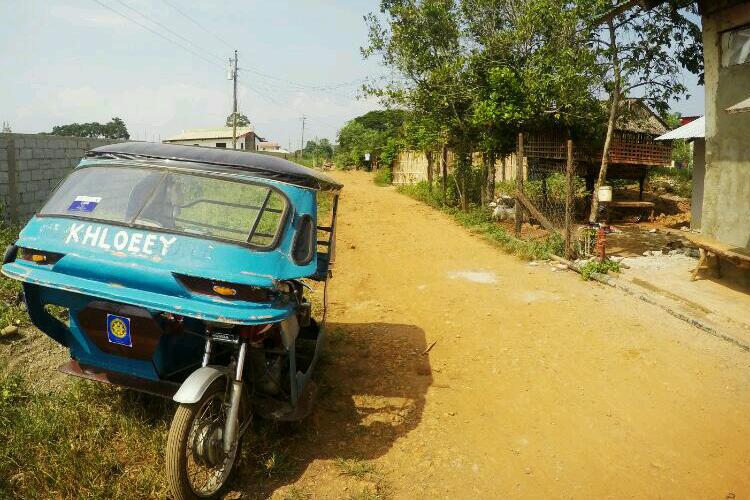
233	69
315	153
302	141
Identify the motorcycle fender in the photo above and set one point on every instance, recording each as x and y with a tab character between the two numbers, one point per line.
192	389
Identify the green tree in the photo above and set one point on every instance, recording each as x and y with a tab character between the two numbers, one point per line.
421	41
681	152
325	149
370	133
421	133
641	53
242	120
482	70
114	129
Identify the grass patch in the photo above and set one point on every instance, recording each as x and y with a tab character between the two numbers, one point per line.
376	487
88	441
355	467
383	176
275	465
295	493
479	221
595	266
380	490
677	181
11	311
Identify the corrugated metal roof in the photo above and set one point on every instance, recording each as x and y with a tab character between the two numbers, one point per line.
696	129
209	133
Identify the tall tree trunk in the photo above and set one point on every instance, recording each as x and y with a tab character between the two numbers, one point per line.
483	195
429	155
614	108
461	174
502	163
444	169
491	177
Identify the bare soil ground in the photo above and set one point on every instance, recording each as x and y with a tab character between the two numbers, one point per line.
536	384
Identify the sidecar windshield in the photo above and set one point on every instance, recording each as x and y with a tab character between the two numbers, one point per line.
214	207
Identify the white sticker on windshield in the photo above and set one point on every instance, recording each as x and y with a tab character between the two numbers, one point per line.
84	204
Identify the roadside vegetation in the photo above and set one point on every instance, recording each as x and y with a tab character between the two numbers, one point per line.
676	181
469	75
376	134
12	313
595	266
86	441
315	154
479	221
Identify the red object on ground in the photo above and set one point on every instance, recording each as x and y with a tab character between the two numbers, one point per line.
601	243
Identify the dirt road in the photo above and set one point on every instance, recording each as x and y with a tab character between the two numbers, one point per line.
538	385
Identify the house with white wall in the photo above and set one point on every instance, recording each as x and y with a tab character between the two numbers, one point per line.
217	137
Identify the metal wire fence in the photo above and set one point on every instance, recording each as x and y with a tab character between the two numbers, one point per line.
546	195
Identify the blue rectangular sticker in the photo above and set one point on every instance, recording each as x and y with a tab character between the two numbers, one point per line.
118	330
84	204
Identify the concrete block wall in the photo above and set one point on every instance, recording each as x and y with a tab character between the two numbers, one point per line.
31	165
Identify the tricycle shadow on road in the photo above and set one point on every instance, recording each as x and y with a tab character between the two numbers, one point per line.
373	381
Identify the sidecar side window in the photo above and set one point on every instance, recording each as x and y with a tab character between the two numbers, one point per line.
304	241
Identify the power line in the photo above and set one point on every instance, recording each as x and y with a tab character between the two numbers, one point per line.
306	86
183	14
160	35
212	62
206	56
168	29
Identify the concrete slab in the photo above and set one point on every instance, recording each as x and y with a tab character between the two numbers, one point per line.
670	275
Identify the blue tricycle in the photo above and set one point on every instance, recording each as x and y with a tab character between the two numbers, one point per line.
182	270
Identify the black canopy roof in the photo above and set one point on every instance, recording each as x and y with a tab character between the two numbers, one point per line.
259	165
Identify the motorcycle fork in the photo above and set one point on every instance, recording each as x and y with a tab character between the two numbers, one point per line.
231	425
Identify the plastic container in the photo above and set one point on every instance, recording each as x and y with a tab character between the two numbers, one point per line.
605	194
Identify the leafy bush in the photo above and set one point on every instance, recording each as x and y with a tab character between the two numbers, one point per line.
678	181
383	176
556	187
595	266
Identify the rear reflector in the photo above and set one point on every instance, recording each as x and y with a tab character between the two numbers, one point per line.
231	291
39	257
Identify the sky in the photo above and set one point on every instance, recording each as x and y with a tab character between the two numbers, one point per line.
80	61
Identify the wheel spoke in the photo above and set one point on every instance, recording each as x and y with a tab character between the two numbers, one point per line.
206	479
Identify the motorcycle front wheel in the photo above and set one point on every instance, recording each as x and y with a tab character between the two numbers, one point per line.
197	466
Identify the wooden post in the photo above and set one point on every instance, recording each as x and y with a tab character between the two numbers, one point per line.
641	184
569	202
519	184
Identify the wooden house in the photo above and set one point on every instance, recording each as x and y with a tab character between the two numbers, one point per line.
633	151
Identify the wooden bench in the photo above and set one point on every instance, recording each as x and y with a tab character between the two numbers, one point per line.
711	251
639	205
